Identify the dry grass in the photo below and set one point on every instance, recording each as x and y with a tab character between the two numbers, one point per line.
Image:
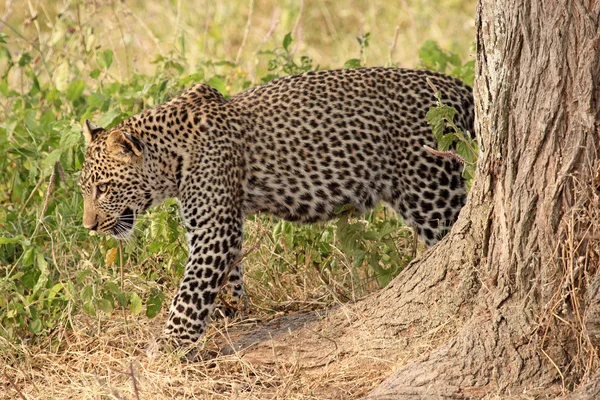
573	304
115	358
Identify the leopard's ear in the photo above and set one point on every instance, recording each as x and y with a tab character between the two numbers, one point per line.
124	146
90	131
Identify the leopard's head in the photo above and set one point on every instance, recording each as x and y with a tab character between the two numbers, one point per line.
112	181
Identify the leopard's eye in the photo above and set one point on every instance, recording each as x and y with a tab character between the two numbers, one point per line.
102	188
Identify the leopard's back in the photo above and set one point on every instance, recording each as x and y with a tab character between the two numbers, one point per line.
326	138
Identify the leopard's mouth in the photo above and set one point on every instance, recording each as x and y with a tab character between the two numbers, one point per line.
124	225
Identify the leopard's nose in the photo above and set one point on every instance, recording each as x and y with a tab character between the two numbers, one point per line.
91	227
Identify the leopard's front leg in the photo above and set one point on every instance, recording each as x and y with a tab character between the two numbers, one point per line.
212	250
210	196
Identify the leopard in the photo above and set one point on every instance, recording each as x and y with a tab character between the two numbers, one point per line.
297	147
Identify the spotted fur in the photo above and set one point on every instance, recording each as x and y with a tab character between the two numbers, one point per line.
295	147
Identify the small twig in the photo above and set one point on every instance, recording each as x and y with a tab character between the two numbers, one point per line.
7	12
132	375
120	246
562	377
274	24
125	46
144	26
246	31
20	367
135	388
178	28
225	303
35	189
48	192
326	338
81	32
234	264
415	242
207	21
10	381
394	43
238	261
448	154
432	85
61	173
297	23
121	263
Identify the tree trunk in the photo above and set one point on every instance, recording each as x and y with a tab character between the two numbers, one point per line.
538	117
509	301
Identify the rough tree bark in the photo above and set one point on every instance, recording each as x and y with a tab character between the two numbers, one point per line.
512	294
538	91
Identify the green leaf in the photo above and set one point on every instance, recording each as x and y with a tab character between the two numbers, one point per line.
363	40
81	275
225	63
287	40
373	261
17	276
35	87
316	256
135	303
269	77
158	226
191	79
352	63
432	56
154	304
386	229
112	287
35	326
108	118
88	307
4	86
31	120
95	100
116	292
54	291
24	59
445	142
17	239
3	37
95	73
218	83
359	257
44	272
464	151
75	90
155	247
175	65
105	305
70	138
371	235
87	293
61	77
52	158
29	279
104	59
